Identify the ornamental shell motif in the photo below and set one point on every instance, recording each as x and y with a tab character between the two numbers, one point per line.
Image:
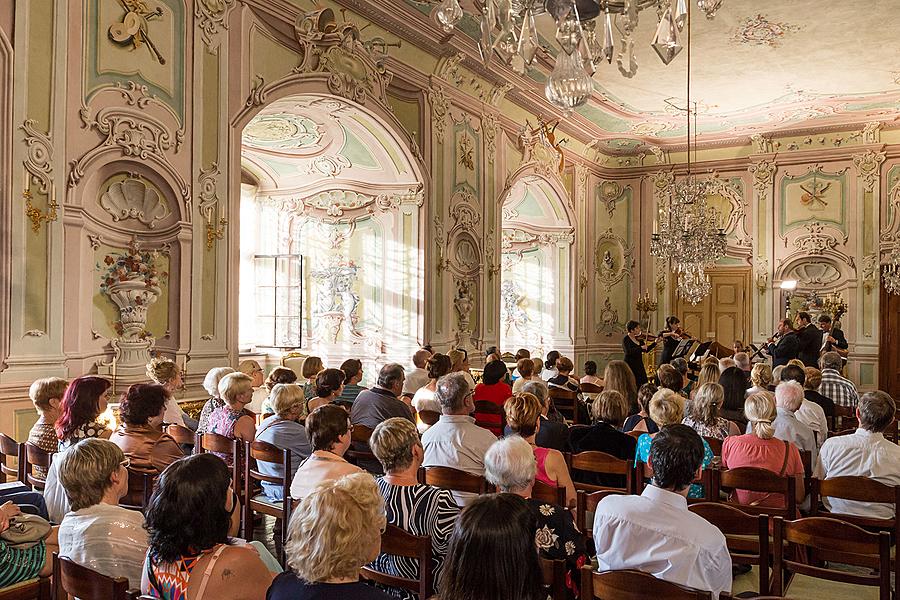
134	199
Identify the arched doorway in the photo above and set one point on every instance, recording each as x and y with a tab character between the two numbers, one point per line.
536	281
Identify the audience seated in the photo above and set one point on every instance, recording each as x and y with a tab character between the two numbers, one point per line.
734	387
761	449
380	404
328	428
865	453
413	507
523	415
85	399
709	373
332	534
233	421
191	515
834	386
641	421
418	377
509	464
46	395
550	371
563	378
776	377
538	368
140	436
166	372
18	563
437	366
553	433
283	430
604	436
590	374
811	383
459	361
670	378
667	408
618	377
727	363
494	390
276	376
788	399
525	370
702	413
501	526
311	367
455	440
255	371
760	379
98	533
810	413
655	532
329	387
211	385
681	365
520	354
353	374
742	361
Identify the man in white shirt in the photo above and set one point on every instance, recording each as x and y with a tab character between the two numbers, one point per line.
455	440
788	399
418	377
865	453
810	414
655	532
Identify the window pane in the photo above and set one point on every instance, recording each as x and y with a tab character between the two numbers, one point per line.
265	271
265	301
287	332
284	301
265	331
283	274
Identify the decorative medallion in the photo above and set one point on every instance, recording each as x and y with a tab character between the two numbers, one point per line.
759	31
282	131
134	199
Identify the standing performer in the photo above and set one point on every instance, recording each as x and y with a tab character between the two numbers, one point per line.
671	337
634	344
810	340
787	346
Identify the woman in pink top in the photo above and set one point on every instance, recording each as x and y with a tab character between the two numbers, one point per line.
761	449
523	415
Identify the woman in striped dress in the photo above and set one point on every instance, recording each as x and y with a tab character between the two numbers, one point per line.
417	509
21	564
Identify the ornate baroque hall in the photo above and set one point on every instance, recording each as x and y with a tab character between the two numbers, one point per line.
254	183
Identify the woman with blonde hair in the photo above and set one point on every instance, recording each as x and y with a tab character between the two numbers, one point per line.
167	373
459	363
667	408
702	413
523	415
311	368
233	420
335	531
619	378
761	378
761	449
709	373
260	393
284	431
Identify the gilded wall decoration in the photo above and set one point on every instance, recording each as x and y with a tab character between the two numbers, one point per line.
868	168
540	145
764	144
762	274
466	152
816	241
38	165
613	258
132	30
209	205
871	272
489	129
210	17
609	193
727	198
464	210
132	198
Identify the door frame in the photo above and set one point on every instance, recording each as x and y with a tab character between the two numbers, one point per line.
746	272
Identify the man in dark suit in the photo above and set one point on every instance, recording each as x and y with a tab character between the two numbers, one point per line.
788	344
833	339
810	340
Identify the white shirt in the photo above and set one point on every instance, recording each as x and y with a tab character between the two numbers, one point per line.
813	416
790	429
109	539
548	374
173	413
256	402
414	380
655	533
860	454
456	441
54	493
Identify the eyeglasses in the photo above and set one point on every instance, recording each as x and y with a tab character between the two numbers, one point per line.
125	463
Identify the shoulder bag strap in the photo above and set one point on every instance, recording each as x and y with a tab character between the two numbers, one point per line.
787	453
209	569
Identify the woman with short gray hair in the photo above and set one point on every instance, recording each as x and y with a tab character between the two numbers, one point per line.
510	465
211	385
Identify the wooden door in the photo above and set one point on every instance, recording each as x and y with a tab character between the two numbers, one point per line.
724	315
888	350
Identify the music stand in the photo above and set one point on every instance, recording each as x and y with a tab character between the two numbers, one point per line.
700	353
683	348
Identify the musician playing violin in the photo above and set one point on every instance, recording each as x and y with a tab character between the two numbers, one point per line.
635	345
671	336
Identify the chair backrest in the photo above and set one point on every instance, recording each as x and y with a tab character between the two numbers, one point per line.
181	434
294	361
397	542
833	541
746	535
832	434
633	585
140	488
605	464
87	584
758	480
33	589
553	574
361	434
10	448
590	388
359	450
454	479
213	442
483	408
566	402
587	502
844	417
860	489
552	494
35	456
255	453
715	444
429	417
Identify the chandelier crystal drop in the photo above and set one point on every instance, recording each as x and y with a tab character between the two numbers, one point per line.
890	273
449	14
569	86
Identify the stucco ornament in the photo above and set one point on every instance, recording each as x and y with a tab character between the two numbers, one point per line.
463	303
211	16
134	199
336	300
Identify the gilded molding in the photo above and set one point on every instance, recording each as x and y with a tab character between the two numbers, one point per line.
763	176
209	204
39	167
489	129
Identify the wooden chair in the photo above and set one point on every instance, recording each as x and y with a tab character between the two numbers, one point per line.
861	489
182	435
747	536
453	479
553	574
254	453
429	417
35	456
10	448
140	488
360	438
643	472
484	408
844	418
633	585
566	402
590	388
757	480
715	444
551	494
833	540
39	588
213	442
397	542
587	502
832	434
71	578
604	464
636	434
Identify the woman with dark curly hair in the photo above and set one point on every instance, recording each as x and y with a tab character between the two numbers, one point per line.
142	409
191	514
276	376
329	385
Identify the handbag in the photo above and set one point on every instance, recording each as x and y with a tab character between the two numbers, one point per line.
25	531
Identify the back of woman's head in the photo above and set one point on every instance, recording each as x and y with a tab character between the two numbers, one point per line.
564	365
141	402
759	409
525	367
666	407
813	378
162	370
611	408
325	425
437	365
709	373
494	371
329	381
214	376
502	527
618	376
590	368
187	514
670	378
550	363
734	384
311	366
80	404
522	413
704	406
279	375
761	375
644	394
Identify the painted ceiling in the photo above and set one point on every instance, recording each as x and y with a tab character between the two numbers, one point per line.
759	66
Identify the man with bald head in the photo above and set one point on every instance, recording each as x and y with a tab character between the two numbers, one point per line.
418	377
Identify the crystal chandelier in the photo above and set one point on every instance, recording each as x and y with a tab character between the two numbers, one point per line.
890	273
686	230
584	32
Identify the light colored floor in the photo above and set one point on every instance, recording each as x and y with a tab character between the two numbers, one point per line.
809	588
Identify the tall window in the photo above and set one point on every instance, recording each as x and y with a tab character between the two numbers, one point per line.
279	300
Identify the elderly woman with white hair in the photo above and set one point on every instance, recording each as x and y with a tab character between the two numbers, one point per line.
413	507
788	400
510	465
211	385
233	420
284	431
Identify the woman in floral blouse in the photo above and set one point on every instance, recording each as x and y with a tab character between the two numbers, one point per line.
702	413
510	465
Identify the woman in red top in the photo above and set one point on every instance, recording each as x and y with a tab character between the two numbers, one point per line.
492	389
